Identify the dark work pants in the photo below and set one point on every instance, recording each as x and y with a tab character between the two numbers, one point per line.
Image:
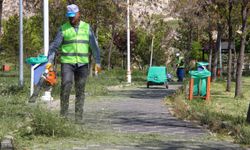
79	74
180	74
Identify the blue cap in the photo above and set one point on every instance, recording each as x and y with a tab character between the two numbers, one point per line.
72	10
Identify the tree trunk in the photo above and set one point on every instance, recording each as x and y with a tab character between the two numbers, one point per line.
248	114
216	53
123	61
230	31
234	64
240	61
210	46
111	46
1	11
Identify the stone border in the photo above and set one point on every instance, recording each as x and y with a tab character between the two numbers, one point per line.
7	143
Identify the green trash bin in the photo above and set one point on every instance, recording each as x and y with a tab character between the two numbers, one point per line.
157	75
200	82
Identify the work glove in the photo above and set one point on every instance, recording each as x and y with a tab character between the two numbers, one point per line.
48	67
97	68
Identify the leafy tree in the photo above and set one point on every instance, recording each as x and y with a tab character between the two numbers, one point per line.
32	37
196	52
192	24
10	36
162	39
141	52
120	42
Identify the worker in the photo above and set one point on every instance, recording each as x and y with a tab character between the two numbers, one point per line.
74	39
180	65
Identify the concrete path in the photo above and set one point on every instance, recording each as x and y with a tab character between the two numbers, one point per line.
141	111
137	110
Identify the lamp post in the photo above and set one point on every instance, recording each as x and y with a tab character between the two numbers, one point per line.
21	43
128	44
47	95
46	26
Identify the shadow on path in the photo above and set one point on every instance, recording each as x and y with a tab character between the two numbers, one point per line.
186	145
146	93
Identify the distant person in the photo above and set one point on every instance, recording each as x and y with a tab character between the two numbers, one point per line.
74	39
180	65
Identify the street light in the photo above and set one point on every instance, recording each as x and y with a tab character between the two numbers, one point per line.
46	26
21	43
128	44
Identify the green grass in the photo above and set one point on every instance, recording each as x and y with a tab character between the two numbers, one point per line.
31	125
223	114
105	139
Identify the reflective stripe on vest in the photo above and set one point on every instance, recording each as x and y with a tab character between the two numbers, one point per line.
75	47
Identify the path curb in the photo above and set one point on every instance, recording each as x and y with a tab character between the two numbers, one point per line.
7	143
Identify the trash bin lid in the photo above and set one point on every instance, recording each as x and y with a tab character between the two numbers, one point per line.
200	74
202	64
37	60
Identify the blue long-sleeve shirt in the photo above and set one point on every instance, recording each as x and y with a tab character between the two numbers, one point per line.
54	46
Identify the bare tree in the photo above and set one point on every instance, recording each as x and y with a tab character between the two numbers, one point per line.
240	61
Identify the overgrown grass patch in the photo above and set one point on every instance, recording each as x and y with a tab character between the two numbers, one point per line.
222	114
22	121
28	124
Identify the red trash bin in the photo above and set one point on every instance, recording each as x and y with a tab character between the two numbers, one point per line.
6	68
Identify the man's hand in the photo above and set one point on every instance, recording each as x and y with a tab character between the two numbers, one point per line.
48	67
97	68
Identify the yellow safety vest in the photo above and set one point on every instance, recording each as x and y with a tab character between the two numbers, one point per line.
75	47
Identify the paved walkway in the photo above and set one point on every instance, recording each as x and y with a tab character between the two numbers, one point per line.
138	110
141	111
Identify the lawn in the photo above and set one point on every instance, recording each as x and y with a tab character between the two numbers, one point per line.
223	114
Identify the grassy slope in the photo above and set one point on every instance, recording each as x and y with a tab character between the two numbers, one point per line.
223	114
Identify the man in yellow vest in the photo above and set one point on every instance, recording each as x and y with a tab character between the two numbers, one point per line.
74	39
